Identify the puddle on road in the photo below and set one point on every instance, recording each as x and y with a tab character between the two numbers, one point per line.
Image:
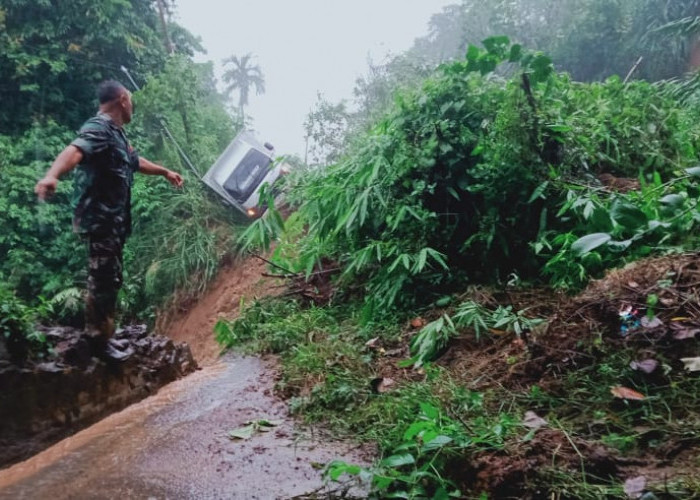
174	445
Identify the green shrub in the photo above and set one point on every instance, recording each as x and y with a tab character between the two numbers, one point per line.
41	255
17	326
608	229
469	179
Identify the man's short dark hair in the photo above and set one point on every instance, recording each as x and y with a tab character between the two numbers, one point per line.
109	90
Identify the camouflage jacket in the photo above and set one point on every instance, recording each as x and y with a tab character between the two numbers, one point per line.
102	183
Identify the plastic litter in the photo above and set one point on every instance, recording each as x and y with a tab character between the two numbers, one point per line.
630	320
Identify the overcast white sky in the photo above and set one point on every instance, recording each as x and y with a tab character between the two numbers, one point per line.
304	47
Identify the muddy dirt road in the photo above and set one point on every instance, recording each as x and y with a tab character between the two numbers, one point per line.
174	445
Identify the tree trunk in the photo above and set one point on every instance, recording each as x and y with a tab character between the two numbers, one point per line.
166	34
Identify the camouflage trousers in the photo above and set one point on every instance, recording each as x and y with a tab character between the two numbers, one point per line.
103	284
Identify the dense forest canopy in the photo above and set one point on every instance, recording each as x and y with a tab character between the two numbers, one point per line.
55	52
590	39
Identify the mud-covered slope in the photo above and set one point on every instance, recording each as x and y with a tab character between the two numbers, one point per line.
193	321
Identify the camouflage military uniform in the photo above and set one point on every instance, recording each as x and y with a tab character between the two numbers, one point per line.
102	200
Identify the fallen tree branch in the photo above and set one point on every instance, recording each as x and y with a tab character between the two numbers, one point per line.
301	275
271	263
634	68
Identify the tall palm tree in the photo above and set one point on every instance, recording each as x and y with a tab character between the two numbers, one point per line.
242	76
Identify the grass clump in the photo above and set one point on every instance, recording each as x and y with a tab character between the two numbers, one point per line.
442	432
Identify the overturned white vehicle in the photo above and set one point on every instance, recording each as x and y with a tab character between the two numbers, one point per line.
241	171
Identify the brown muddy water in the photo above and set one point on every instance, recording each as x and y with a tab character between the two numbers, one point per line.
174	445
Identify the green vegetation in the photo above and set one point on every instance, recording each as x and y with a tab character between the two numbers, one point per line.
476	178
52	59
466	191
615	228
498	175
589	39
17	326
456	428
434	337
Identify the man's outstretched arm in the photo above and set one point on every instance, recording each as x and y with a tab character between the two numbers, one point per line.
149	168
64	163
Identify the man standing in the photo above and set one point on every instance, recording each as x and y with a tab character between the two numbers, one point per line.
102	199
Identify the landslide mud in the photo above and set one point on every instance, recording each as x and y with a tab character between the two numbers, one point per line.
193	321
175	445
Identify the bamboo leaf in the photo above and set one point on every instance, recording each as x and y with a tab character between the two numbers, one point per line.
628	215
589	242
398	460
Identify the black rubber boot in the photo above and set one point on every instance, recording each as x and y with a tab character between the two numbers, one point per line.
117	351
103	347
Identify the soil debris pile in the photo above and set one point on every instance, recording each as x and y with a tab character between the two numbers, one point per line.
616	368
611	377
49	398
651	307
315	287
665	290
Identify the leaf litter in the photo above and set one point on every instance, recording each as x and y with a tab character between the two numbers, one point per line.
252	427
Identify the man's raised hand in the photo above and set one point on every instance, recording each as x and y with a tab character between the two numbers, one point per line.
174	178
46	187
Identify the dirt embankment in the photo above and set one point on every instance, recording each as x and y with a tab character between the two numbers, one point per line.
614	373
618	354
47	399
193	321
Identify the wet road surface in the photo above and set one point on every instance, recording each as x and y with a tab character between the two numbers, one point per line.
174	445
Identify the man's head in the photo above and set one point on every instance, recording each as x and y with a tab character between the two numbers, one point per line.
115	100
